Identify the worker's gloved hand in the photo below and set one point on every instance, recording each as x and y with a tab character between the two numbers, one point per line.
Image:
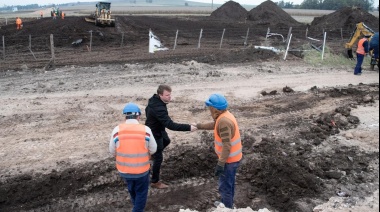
219	170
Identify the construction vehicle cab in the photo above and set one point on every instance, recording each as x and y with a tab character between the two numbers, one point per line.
56	11
102	15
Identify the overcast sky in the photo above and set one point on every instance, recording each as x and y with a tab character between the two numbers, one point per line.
44	2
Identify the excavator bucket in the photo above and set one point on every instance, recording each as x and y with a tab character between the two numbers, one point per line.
91	20
349	53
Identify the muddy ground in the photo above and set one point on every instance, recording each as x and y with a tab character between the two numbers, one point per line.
310	134
301	148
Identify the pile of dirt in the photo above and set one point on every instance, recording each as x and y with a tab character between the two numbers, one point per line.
65	31
268	13
230	11
345	18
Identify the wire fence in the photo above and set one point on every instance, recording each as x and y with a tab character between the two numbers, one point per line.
47	48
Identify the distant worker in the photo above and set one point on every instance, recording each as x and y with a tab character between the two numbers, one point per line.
41	14
362	50
54	15
103	13
227	145
374	45
18	23
63	15
132	144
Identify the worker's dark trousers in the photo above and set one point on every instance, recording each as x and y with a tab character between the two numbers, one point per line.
227	184
138	189
358	68
158	157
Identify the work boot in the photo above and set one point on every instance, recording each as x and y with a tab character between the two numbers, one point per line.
159	185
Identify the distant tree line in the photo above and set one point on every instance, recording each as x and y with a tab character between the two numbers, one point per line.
19	7
329	4
29	6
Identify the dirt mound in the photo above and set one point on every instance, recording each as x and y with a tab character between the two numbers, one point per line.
65	31
268	13
345	18
230	11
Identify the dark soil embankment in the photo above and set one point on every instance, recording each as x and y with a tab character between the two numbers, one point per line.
230	11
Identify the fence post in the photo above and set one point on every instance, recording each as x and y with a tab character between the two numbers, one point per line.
175	41
246	38
266	36
122	39
341	32
3	47
52	50
90	40
290	31
30	46
307	31
200	37
6	21
221	41
324	45
287	48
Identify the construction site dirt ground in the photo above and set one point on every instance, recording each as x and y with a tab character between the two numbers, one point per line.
315	147
310	132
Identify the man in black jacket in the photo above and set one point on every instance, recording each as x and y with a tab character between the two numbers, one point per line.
157	119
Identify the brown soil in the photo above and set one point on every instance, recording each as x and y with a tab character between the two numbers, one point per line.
269	13
230	11
311	138
345	18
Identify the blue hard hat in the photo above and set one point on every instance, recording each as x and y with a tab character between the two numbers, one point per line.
132	108
217	101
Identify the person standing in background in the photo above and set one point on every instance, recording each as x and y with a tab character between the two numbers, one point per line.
18	23
361	52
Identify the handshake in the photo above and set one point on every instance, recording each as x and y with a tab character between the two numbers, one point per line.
193	127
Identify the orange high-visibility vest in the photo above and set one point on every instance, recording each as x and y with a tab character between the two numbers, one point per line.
236	146
132	155
18	21
361	49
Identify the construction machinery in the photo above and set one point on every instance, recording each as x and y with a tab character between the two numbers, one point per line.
102	15
360	31
374	46
56	11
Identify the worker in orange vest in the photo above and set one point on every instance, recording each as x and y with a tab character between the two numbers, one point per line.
132	144
63	15
362	50
54	15
18	23
42	14
227	145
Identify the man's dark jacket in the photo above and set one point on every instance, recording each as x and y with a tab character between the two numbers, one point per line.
157	118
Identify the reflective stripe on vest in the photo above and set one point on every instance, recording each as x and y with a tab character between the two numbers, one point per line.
236	146
361	49
132	155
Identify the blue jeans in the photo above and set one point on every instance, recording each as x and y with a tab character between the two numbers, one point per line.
138	189
227	184
358	68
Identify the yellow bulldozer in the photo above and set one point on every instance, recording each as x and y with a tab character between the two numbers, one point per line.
102	15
